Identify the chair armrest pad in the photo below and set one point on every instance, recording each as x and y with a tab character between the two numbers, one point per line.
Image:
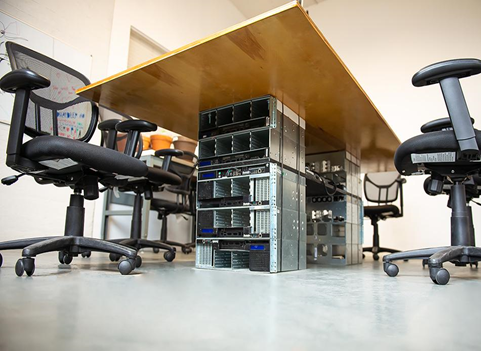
169	152
136	125
438	124
23	79
108	124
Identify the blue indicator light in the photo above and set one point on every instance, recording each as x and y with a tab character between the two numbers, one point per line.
207	231
208	175
257	247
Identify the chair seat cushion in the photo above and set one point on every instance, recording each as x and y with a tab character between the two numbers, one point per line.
50	147
434	142
383	210
168	206
159	176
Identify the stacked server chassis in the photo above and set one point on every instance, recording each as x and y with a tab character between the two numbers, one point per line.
251	188
335	223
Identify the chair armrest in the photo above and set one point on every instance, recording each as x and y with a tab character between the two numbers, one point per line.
23	79
20	82
109	133
438	124
133	128
167	154
447	74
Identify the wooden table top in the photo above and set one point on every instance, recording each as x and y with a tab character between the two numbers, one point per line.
280	53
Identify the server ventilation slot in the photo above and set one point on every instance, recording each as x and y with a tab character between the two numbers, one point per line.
222	188
223	146
222	218
260	139
260	108
261	189
225	116
206	149
204	254
241	142
240	259
240	187
242	111
262	222
241	217
222	259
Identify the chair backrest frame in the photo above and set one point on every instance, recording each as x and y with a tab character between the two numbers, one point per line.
39	102
396	183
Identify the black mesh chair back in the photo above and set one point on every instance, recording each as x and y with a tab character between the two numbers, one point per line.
381	188
55	110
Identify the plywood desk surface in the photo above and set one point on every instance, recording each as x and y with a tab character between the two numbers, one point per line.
281	53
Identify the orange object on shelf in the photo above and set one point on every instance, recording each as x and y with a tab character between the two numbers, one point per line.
185	144
160	141
146	141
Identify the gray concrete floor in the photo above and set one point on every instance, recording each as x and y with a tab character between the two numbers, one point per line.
173	306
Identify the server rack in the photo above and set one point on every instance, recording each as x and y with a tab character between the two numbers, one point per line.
334	215
251	188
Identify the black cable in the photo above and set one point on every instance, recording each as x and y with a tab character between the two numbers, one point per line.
323	181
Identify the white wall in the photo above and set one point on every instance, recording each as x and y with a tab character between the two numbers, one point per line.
172	24
384	43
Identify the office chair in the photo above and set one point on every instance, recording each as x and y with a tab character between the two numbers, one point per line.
60	124
384	189
142	187
185	200
448	150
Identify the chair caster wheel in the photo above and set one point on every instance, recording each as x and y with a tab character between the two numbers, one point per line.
472	264
26	264
375	257
439	276
67	259
425	262
1	260
19	269
186	250
113	257
61	255
391	269
138	261
125	267
155	249
86	254
64	257
169	256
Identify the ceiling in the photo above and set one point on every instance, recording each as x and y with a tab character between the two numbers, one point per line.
251	8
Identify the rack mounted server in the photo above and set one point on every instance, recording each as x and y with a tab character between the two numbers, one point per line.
334	209
251	188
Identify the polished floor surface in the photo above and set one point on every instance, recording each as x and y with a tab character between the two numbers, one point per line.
173	306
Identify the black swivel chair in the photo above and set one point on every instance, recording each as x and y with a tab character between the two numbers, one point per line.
60	124
142	187
185	200
384	189
448	151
